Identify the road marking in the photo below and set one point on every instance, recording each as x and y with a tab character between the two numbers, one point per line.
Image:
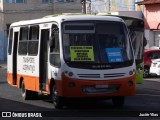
148	95
153	79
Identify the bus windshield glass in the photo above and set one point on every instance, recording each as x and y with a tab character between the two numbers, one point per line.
136	28
96	44
137	43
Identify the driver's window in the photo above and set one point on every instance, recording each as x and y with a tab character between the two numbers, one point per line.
54	46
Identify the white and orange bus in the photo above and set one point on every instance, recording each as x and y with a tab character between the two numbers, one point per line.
70	56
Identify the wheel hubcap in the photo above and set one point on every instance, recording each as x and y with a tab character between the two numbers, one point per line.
23	90
54	96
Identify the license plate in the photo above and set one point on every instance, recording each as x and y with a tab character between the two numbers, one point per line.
102	86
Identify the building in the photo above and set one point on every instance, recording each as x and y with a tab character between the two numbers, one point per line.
152	21
17	10
114	5
67	6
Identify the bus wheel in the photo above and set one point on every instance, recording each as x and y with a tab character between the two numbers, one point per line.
25	93
57	100
118	100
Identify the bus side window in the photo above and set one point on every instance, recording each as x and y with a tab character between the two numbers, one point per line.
33	40
54	46
10	41
54	42
23	41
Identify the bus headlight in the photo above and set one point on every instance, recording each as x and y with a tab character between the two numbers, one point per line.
69	74
131	72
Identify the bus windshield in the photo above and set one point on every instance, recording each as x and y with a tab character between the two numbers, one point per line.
136	28
137	43
96	45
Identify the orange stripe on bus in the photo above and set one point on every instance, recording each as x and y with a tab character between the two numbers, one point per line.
10	78
31	82
77	91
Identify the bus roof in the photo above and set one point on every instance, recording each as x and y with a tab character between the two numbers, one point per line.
121	16
60	18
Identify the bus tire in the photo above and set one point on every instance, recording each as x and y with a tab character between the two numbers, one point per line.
118	100
57	100
25	93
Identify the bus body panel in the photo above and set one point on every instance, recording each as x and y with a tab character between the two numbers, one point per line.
121	80
65	90
102	74
31	82
10	78
10	57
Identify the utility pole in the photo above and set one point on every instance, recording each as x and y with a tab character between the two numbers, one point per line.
83	2
53	4
108	6
86	6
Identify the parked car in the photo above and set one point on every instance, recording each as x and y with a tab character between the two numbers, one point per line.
148	56
155	67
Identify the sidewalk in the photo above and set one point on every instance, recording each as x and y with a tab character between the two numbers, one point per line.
3	64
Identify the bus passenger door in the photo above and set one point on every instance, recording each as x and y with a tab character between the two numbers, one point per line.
15	58
43	61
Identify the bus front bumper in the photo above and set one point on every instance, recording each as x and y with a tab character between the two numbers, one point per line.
71	87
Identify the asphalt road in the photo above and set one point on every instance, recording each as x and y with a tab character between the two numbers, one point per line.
147	100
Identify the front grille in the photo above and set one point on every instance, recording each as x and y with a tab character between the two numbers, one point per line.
114	75
89	75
